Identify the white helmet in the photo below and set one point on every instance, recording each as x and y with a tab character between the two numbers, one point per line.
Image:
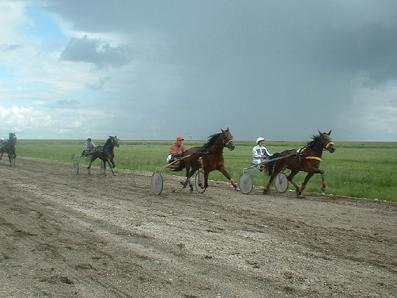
259	139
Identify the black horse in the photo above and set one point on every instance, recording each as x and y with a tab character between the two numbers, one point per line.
8	147
105	153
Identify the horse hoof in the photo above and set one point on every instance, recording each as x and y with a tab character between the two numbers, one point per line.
265	191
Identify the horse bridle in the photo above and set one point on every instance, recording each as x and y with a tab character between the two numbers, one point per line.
226	143
328	145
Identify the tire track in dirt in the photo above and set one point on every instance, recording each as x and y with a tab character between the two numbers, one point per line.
110	237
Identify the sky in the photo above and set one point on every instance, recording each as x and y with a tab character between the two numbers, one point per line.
156	69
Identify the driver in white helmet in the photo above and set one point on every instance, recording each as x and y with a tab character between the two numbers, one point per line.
260	152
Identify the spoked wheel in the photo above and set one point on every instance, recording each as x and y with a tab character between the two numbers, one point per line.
76	164
156	183
281	182
200	181
246	184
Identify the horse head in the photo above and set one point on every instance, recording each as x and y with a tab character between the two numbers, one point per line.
110	143
12	138
115	141
326	141
227	139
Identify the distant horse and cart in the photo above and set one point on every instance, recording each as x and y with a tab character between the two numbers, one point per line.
105	153
8	146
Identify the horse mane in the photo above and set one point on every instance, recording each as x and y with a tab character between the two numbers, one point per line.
313	142
108	144
211	140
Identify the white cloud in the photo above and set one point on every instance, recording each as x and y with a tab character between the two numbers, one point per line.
19	119
12	16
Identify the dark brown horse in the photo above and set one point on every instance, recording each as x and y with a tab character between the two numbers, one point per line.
105	153
306	159
9	148
208	157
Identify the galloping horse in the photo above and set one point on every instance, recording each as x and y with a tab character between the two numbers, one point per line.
105	153
9	148
208	157
306	159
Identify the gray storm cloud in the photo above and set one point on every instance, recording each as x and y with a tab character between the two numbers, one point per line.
283	69
95	51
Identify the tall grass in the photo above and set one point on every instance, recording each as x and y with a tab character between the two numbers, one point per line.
358	169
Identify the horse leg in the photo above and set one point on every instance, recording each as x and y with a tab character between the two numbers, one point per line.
277	167
290	177
189	173
89	165
111	167
272	176
323	181
184	184
231	180
307	178
206	174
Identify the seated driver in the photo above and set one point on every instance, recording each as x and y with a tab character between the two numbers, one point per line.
260	153
89	147
175	151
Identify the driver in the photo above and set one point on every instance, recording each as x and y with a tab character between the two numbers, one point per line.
175	151
260	152
89	147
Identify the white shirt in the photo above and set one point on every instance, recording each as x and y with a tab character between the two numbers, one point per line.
89	146
259	153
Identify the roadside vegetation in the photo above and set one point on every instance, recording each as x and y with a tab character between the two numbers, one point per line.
357	169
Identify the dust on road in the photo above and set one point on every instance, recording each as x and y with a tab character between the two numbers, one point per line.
104	236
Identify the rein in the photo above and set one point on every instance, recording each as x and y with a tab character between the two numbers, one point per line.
169	164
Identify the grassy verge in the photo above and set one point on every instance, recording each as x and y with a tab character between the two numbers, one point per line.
358	169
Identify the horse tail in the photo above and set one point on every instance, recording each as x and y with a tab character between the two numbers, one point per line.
270	165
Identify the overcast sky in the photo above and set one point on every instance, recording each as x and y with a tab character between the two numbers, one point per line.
155	69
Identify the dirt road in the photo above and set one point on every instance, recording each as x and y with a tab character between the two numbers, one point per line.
64	235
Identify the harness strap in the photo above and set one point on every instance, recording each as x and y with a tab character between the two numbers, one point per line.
312	157
329	144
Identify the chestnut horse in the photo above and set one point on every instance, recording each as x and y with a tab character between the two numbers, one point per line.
305	159
105	153
208	157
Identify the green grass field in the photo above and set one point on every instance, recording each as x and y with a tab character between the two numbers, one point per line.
358	169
